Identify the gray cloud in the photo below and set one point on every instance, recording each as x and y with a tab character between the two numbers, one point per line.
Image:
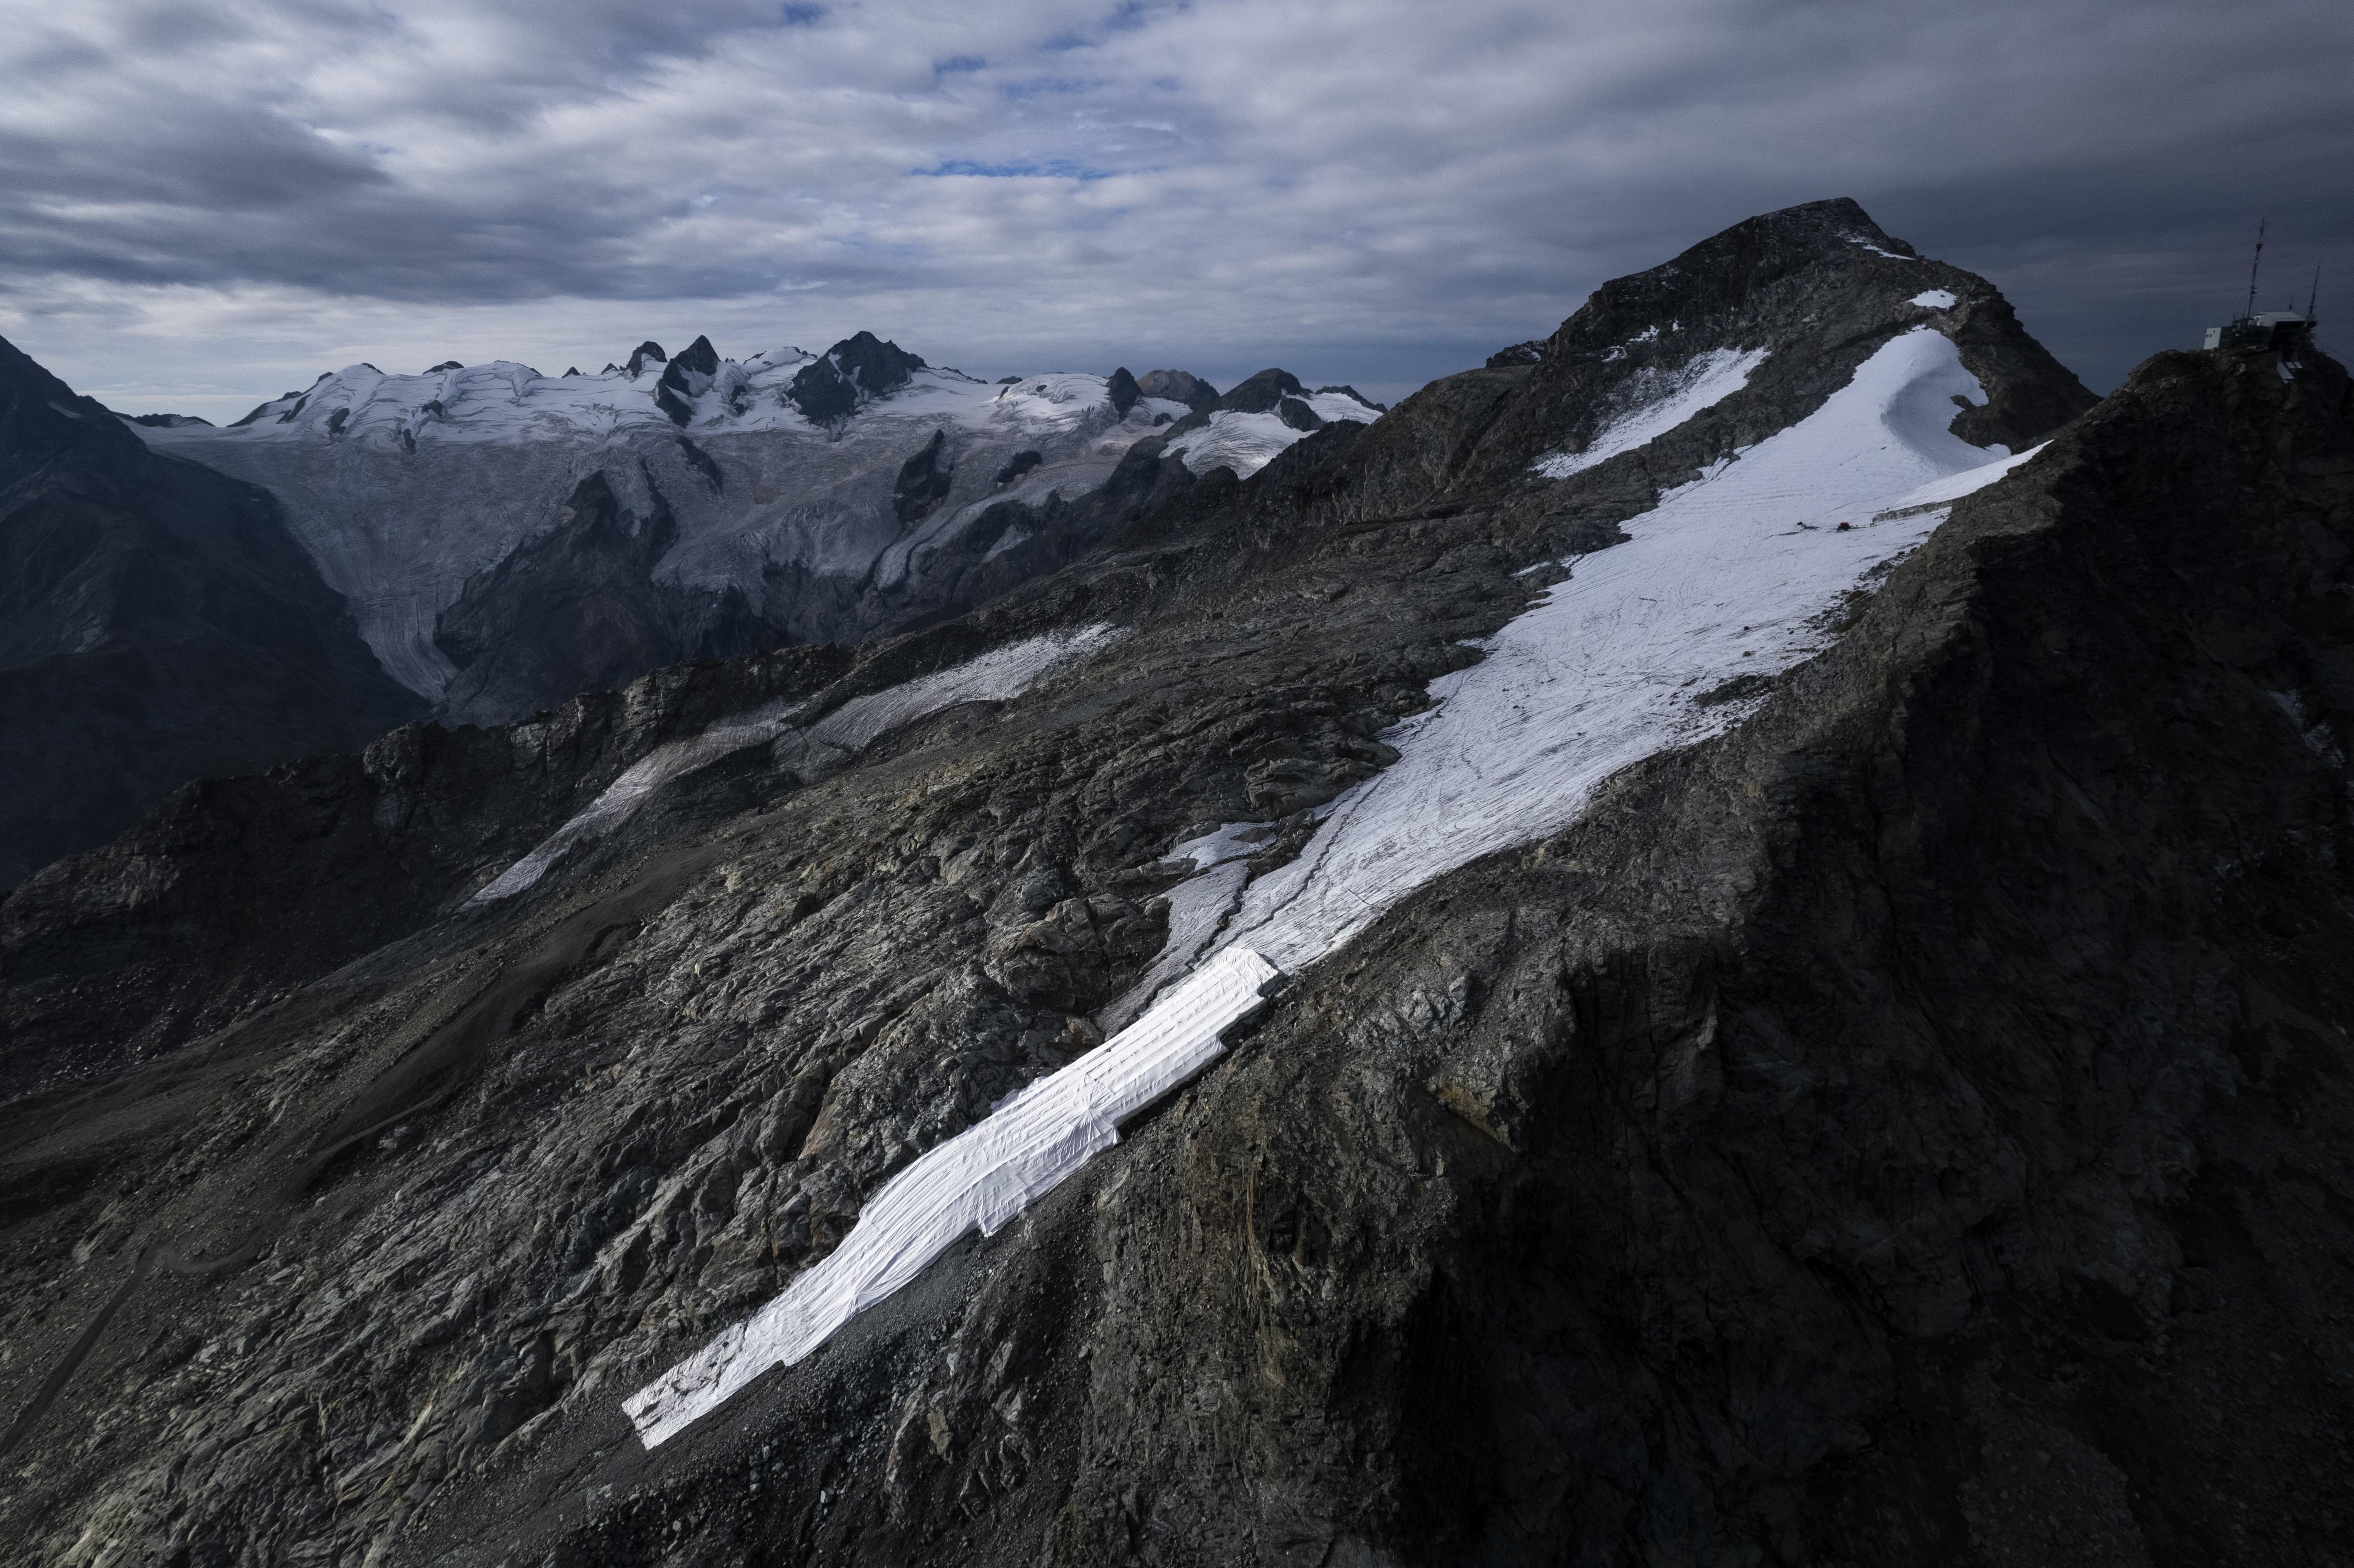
210	201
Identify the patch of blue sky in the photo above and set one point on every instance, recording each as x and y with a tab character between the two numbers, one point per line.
799	14
955	63
1019	169
1045	86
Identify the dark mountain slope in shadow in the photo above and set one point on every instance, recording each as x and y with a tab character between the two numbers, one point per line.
157	624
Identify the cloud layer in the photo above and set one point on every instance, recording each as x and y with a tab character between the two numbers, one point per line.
208	201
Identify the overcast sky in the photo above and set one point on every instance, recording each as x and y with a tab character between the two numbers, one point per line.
203	203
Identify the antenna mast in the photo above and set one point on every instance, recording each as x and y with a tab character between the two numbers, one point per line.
2258	263
2315	293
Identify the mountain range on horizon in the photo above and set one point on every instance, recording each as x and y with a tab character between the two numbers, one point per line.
1725	939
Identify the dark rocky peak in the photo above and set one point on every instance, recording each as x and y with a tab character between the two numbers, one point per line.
1528	353
685	379
1782	309
1179	386
41	418
1261	393
164	421
571	370
1009	380
1123	391
445	365
699	357
1347	391
645	354
856	371
1019	464
1777	271
923	480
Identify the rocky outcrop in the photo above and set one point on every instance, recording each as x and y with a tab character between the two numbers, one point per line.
1122	390
925	480
157	624
856	371
1179	386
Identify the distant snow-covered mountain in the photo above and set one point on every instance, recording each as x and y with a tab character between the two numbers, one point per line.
507	539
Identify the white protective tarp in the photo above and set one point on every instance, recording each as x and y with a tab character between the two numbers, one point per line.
978	1179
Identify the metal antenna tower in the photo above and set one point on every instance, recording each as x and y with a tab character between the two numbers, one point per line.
2258	263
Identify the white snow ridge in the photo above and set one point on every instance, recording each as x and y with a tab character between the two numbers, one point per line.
1728	577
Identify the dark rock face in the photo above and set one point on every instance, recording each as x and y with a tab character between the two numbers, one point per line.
1123	391
1360	397
685	379
923	480
1909	1126
1179	386
454	365
1020	464
855	371
156	623
1298	415
165	421
645	354
1263	393
587	587
1529	353
700	357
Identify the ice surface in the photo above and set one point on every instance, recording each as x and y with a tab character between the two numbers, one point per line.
1197	906
995	677
1657	402
1934	299
979	1180
621	798
1945	492
1725	578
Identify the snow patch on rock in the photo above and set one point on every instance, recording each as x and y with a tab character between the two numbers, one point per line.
998	676
1658	400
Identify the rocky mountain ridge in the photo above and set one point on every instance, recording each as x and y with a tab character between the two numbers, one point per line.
1816	1028
157	621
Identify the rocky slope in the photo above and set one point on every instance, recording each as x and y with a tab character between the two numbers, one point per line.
1815	1031
509	539
157	621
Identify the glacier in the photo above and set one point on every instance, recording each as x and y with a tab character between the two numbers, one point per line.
1642	647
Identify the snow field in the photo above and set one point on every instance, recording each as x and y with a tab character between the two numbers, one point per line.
1662	399
1249	442
998	676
